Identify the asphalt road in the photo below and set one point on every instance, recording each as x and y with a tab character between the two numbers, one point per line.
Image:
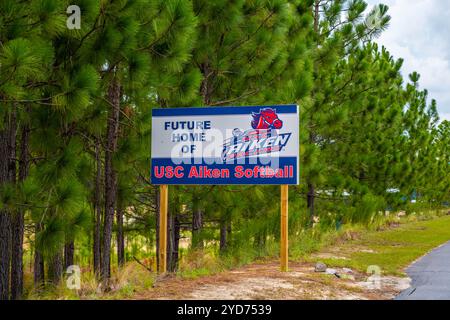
430	277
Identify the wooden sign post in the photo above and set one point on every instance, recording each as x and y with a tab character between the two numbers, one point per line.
163	208
284	240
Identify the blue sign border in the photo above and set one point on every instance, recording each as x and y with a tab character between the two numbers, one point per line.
211	111
205	111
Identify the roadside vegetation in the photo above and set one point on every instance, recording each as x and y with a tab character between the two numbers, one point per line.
392	245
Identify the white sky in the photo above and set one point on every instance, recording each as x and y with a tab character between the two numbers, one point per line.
419	33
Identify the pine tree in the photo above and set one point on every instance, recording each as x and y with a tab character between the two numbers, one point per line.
340	27
60	94
371	135
442	157
249	53
420	121
148	43
24	57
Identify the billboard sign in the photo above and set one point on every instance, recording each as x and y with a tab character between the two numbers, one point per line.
256	145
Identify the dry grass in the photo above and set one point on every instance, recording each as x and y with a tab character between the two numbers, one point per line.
124	284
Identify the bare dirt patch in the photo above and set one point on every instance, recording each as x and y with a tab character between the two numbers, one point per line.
266	282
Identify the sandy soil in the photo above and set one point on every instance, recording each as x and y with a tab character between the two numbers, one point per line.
264	281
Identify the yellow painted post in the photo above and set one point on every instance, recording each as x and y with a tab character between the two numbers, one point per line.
163	208
284	245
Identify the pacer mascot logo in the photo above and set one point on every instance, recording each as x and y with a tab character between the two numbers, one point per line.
263	139
266	119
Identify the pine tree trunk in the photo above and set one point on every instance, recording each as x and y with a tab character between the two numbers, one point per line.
173	243
4	254
223	235
110	175
120	238
316	15
206	91
55	268
98	209
362	175
197	226
176	247
229	233
69	250
5	242
206	87
260	239
39	273
173	232
18	223
310	201
7	175
5	221
170	240
310	198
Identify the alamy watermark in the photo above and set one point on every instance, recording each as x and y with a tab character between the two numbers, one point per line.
374	281
73	281
374	19
74	20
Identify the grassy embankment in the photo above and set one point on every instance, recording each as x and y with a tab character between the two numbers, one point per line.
392	248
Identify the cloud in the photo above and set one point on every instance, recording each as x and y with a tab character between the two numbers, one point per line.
445	116
420	34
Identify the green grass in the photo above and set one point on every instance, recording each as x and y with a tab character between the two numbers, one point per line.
393	249
195	273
